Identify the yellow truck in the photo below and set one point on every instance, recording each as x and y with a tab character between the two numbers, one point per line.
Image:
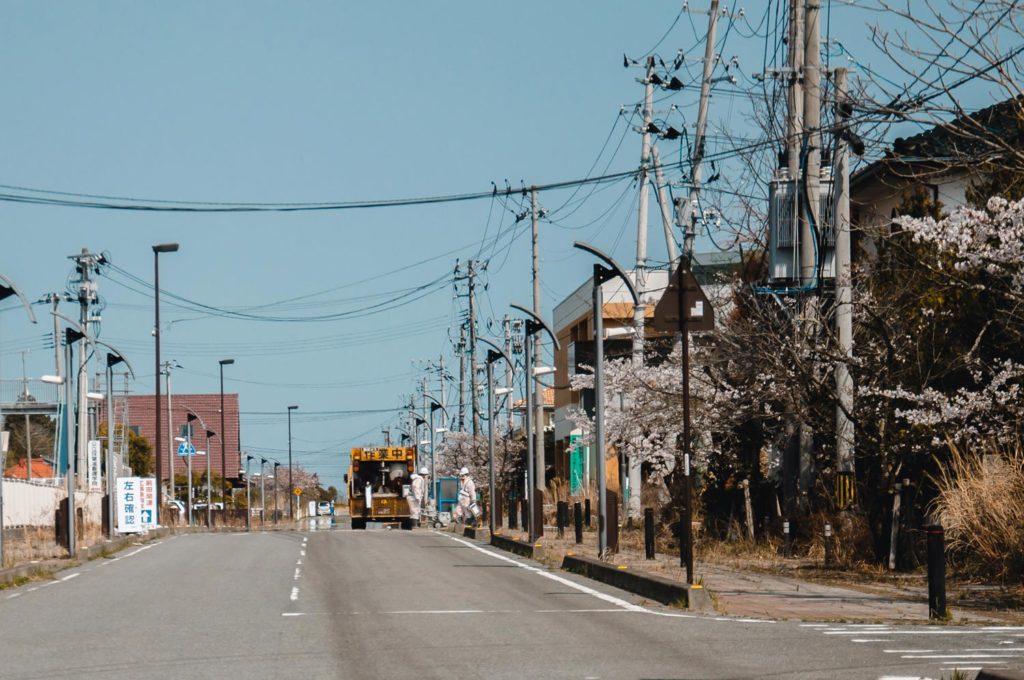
378	480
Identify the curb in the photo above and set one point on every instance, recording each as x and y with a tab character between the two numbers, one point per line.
521	548
477	533
985	674
13	574
657	588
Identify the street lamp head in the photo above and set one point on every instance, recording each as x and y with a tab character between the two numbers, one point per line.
502	390
439	430
210	434
191	416
52	379
95	396
292	408
226	362
180	439
165	248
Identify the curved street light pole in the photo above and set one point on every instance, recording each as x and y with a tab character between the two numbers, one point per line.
291	489
157	249
602	274
113	358
493	355
534	459
223	456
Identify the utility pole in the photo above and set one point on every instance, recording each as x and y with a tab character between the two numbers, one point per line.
462	378
440	383
506	324
172	449
532	384
630	487
844	287
474	396
666	213
810	224
697	169
85	263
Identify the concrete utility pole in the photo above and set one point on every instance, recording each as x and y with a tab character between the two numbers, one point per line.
697	161
795	96
462	378
666	212
85	263
810	224
630	487
474	397
506	324
844	288
531	382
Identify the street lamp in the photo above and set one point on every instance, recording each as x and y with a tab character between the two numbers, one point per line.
263	494
190	418
436	405
157	249
602	273
223	457
276	465
71	336
248	495
291	489
534	468
492	356
209	495
113	359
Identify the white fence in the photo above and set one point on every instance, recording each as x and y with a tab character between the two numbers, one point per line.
34	504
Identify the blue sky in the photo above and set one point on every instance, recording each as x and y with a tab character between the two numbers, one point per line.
328	101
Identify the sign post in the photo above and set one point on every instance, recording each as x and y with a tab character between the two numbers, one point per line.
684	308
136	504
94	466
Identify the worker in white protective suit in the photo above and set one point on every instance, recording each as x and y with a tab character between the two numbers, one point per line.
417	492
466	509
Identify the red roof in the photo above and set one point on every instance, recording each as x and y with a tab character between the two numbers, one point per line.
40	469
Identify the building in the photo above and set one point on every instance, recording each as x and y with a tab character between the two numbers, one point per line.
40	470
573	325
142	421
941	163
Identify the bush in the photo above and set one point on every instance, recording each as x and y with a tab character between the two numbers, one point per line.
981	505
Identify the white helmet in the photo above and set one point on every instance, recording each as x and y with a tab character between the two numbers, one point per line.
424	470
464	471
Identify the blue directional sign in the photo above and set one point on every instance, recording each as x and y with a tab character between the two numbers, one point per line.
186	449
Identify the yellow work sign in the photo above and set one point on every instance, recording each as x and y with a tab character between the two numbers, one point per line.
297	491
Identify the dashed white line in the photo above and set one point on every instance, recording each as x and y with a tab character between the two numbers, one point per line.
295	594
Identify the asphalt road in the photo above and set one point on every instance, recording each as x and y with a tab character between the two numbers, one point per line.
394	604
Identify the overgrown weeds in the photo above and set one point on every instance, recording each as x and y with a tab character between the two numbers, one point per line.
980	504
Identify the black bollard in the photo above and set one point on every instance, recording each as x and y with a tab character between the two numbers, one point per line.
612	504
577	512
561	517
524	507
586	512
829	557
513	513
649	532
936	572
498	505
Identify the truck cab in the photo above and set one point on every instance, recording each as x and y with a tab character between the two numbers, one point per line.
377	481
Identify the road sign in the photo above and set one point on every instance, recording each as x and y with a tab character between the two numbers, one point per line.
297	491
136	504
186	449
700	315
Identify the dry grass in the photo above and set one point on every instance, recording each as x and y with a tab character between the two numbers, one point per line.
981	506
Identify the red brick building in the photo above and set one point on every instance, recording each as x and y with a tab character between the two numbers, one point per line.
207	406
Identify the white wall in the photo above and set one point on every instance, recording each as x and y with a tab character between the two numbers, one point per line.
34	504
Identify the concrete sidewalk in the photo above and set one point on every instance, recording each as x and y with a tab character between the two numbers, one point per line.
827	596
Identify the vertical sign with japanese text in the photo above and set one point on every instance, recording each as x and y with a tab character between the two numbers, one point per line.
94	466
136	504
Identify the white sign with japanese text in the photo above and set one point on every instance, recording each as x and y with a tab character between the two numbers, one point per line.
94	466
136	504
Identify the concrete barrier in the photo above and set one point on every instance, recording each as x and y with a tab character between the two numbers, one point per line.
522	548
477	533
657	588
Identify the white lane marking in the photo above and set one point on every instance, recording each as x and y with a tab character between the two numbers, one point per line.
611	599
34	588
292	614
871	640
13	595
299	563
295	594
973	657
440	611
814	625
960	668
910	651
577	611
298	573
71	576
302	552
